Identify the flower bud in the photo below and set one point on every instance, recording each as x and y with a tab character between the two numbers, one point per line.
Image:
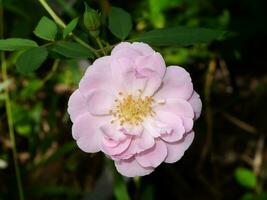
91	20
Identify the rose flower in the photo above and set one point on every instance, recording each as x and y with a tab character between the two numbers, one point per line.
134	109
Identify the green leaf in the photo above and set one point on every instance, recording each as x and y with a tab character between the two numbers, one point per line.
181	36
246	177
72	50
14	44
46	29
120	188
119	23
31	59
70	27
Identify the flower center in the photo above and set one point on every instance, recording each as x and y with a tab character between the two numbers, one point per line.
132	110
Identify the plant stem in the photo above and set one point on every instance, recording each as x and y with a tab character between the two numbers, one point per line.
51	73
8	109
100	45
63	25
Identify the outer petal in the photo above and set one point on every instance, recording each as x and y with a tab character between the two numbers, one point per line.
154	156
138	145
176	150
144	48
86	131
131	168
97	76
110	149
196	104
99	102
124	49
176	84
150	63
76	105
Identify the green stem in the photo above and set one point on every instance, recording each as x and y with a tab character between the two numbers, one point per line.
51	73
11	128
63	25
9	111
100	45
52	13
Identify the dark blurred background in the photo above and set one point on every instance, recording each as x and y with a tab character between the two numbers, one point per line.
228	158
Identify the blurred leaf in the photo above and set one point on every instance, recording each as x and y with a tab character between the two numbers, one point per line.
46	29
246	177
181	36
120	23
120	188
70	27
44	191
31	59
248	196
67	7
4	85
31	88
24	129
14	44
148	193
72	50
252	196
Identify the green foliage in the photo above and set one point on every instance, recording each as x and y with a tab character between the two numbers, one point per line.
120	188
179	36
70	27
14	44
120	23
31	59
46	29
252	196
246	177
71	50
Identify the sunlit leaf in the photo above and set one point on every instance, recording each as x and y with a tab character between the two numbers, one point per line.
179	36
31	59
246	177
120	23
120	188
70	27
14	44
72	50
46	29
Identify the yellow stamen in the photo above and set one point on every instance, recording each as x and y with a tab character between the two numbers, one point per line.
132	110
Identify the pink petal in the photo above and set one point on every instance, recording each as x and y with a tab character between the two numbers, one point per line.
151	63
76	105
144	48
176	84
196	104
86	131
172	122
188	124
154	156
100	102
131	168
132	129
97	76
152	85
179	107
138	144
113	131
123	73
124	49
176	150
114	149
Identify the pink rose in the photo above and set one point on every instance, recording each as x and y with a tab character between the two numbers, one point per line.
134	109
